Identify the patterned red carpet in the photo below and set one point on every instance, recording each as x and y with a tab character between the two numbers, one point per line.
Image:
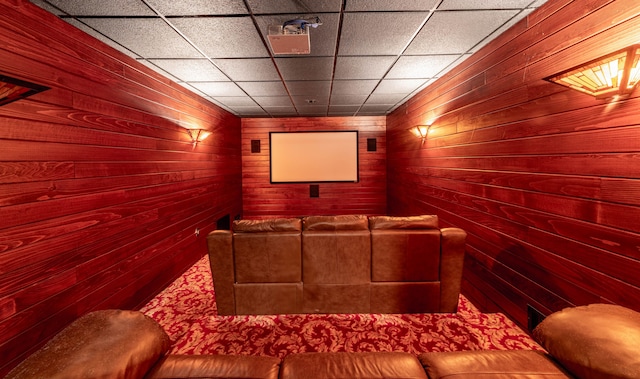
187	311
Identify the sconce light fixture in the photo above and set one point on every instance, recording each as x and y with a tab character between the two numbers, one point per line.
420	131
198	135
615	74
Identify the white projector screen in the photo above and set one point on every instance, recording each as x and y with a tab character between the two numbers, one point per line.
298	157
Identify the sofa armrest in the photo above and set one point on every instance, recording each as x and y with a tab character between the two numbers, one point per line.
452	249
593	341
220	246
476	364
216	366
101	344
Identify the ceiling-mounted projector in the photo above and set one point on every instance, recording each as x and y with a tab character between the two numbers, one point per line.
292	37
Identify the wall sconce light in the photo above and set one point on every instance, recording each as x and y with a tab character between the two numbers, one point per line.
420	131
198	135
615	74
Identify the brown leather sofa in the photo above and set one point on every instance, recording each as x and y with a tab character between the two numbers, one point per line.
337	264
587	342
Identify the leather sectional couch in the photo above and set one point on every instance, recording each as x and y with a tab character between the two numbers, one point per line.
337	264
594	341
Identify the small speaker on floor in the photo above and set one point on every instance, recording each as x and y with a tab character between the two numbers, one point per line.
255	145
371	144
534	317
224	222
314	190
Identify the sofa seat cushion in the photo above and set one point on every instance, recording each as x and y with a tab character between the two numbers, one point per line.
351	365
491	364
593	341
216	367
101	344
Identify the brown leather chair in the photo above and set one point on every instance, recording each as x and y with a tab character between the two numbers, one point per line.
257	267
597	341
336	256
337	264
416	266
130	345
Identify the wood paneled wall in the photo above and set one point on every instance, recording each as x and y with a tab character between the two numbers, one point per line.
101	190
261	199
544	179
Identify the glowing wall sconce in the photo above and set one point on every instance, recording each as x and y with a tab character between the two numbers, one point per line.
198	135
420	131
615	74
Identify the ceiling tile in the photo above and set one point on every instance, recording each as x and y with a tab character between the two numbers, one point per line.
222	37
483	4
194	89
348	99
303	68
457	31
344	108
48	7
250	111
372	109
386	5
309	87
248	69
373	33
190	70
363	67
294	6
236	101
312	110
273	101
218	49
281	111
387	98
514	20
353	87
215	89
198	7
94	33
147	37
306	101
103	8
403	86
537	3
264	88
420	66
322	40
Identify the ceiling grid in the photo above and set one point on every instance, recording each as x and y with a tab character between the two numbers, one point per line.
367	57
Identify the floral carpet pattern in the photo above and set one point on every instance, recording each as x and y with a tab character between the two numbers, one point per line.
186	309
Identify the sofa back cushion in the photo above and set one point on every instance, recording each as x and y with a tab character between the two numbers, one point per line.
336	250
593	341
408	222
336	223
405	249
270	225
101	344
268	251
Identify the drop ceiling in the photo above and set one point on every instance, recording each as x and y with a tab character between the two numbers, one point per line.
367	57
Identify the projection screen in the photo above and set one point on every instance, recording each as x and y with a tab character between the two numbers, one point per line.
299	157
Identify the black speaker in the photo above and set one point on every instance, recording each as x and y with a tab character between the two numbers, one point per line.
255	145
314	190
371	144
